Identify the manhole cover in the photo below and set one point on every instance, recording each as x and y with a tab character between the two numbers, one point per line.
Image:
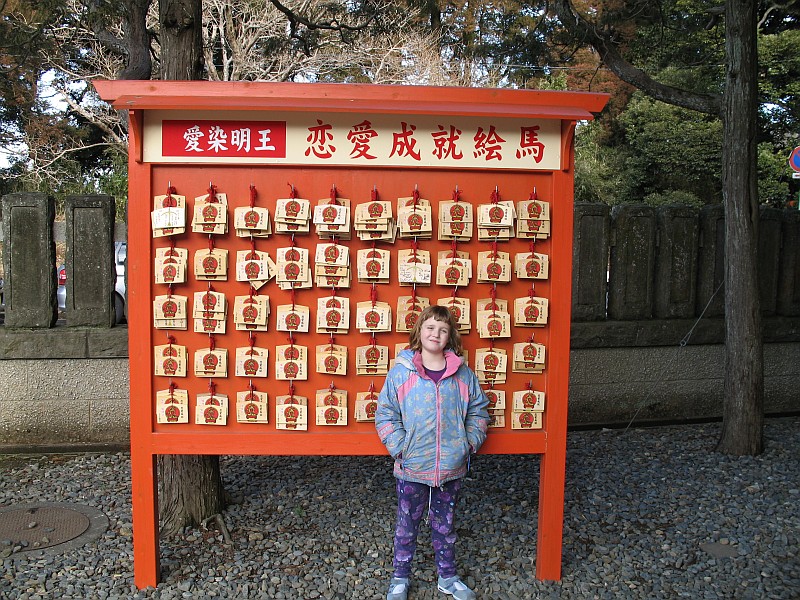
34	527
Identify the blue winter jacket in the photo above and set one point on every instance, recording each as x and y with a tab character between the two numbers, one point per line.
431	428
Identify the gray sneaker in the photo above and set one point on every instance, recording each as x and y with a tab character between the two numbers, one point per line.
398	589
453	586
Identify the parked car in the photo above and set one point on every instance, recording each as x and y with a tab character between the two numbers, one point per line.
120	292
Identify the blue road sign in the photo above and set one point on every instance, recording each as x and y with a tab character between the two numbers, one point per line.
794	159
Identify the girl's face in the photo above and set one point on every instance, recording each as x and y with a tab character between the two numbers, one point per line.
434	335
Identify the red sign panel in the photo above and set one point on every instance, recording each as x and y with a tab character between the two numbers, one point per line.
199	138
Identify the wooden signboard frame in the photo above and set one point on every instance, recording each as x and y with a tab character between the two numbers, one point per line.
469	119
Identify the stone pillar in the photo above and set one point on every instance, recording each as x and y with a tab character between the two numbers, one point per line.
633	242
676	262
91	271
29	256
769	247
590	261
711	262
788	304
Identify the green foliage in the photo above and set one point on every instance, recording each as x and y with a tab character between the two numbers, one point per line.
657	153
598	168
773	176
660	152
672	198
779	85
670	148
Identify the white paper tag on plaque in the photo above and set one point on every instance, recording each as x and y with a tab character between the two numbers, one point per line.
168	216
410	273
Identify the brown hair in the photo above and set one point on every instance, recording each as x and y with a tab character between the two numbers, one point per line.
440	313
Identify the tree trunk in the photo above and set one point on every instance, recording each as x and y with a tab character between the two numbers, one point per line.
190	487
190	490
743	404
137	38
743	410
181	39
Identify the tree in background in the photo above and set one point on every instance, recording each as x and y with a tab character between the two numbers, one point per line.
47	144
682	45
190	489
614	33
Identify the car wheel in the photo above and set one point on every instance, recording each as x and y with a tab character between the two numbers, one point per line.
119	309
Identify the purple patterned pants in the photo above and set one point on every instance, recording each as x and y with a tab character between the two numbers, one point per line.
412	501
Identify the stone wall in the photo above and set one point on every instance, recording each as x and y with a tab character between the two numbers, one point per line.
82	397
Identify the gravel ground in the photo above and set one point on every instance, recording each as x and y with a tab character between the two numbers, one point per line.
648	514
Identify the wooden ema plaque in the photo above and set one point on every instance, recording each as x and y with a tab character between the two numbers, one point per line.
439	186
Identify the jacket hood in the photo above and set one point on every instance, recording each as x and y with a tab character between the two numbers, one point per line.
413	361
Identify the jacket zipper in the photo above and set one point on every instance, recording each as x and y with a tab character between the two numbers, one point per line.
438	436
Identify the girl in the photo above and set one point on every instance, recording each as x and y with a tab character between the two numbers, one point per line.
431	416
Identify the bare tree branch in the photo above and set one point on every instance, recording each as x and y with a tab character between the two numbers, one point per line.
331	25
602	40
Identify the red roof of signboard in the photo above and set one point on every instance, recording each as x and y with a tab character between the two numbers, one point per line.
340	97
